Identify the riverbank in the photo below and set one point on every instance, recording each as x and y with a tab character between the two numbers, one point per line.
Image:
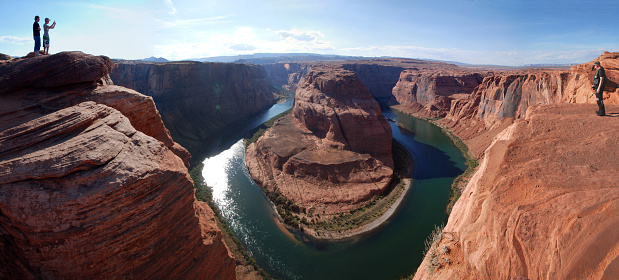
246	266
399	194
471	161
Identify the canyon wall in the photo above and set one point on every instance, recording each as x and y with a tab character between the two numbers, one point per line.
286	75
432	92
379	79
91	183
199	100
543	203
332	153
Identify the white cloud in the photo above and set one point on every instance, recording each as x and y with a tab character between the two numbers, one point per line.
298	35
242	47
190	22
15	40
244	40
170	6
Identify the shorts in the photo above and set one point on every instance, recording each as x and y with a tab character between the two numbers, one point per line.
45	41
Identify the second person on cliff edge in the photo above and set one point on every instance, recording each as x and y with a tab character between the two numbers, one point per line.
599	79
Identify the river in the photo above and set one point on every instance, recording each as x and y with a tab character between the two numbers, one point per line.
393	252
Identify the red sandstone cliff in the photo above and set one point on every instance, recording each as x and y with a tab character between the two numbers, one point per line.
432	92
333	153
91	184
543	203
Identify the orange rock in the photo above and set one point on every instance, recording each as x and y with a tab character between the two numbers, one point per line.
84	193
544	202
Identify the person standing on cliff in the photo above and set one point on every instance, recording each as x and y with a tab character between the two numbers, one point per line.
599	79
46	28
36	33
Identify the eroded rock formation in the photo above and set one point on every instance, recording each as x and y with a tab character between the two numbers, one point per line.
198	100
333	153
91	183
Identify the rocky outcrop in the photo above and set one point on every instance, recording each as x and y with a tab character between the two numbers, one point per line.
333	153
578	89
91	184
197	101
542	205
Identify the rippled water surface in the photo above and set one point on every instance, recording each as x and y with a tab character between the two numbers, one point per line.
391	253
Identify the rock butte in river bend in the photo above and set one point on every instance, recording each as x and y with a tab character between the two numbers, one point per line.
333	152
91	183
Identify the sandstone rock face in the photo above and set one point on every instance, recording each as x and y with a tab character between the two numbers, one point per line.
509	96
333	153
90	182
542	205
197	101
433	92
53	71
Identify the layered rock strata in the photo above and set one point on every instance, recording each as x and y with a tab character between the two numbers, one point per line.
332	153
91	184
432	92
198	101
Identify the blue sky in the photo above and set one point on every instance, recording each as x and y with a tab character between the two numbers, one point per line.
471	31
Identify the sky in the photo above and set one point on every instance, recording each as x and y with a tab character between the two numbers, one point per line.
498	32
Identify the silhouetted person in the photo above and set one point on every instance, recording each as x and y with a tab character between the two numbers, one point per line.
46	28
599	79
36	32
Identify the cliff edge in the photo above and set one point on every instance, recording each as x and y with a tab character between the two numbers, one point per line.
542	205
91	183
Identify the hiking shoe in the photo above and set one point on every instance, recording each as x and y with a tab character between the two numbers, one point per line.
600	114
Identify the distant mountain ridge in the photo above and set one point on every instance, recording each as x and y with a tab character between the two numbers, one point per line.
267	58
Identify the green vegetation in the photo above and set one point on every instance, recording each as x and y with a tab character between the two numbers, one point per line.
258	131
461	181
431	248
205	194
369	212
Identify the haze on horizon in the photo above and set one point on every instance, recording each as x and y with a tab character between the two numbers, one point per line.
498	32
